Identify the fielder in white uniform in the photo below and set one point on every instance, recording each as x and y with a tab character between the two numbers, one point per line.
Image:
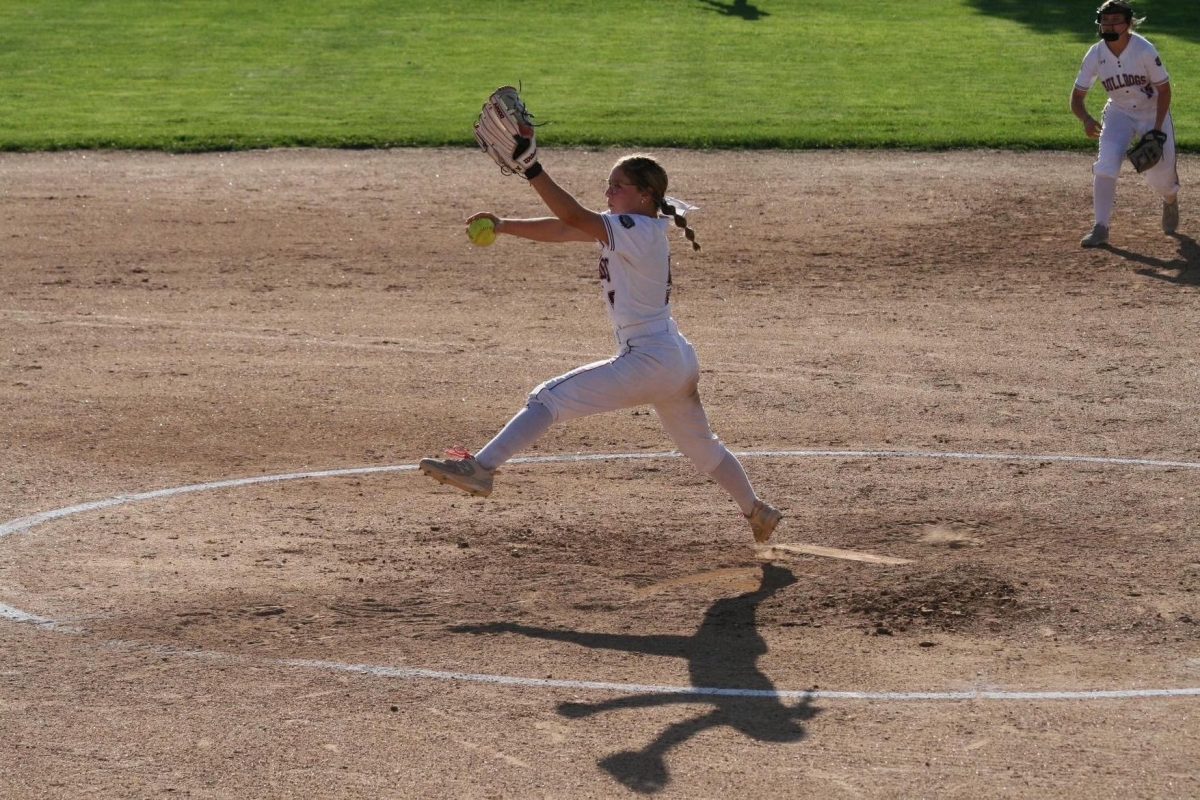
655	365
1139	101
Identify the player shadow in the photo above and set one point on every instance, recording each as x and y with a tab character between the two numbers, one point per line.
723	652
1177	19
1187	264
738	8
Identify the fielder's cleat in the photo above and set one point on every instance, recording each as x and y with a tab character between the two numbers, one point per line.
1170	216
1098	237
461	471
763	520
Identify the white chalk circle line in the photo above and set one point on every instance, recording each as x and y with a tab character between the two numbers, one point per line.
23	524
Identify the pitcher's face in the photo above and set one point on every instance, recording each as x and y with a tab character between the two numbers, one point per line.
624	197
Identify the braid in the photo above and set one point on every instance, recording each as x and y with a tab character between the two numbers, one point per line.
680	222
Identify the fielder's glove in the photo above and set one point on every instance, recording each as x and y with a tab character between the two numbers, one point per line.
504	130
1148	151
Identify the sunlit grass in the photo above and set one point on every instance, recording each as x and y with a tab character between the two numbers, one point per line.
353	73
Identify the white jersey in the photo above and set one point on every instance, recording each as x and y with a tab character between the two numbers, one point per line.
635	270
1130	78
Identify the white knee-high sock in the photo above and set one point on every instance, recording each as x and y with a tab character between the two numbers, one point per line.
521	431
732	478
1104	195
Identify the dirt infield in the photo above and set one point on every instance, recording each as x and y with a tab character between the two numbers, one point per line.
902	342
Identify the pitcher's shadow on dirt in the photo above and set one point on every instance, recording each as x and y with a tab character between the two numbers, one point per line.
723	652
1188	262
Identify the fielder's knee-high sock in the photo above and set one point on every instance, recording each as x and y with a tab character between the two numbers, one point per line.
1104	194
521	431
732	478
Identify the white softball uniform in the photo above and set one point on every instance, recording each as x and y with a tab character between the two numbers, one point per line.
1131	81
655	364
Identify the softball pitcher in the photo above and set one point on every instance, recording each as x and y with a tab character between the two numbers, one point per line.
1139	102
655	364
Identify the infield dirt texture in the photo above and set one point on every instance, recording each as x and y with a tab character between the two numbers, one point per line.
178	320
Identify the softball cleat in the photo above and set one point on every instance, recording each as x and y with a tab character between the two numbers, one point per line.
763	520
1098	237
461	471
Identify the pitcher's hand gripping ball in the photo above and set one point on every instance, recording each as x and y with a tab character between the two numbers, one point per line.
1148	151
504	130
482	232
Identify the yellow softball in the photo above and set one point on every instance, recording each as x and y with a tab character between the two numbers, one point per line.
482	232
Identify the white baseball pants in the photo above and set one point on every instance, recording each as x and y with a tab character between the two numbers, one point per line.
1119	130
658	369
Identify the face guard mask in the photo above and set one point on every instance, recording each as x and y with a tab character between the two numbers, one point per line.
1111	36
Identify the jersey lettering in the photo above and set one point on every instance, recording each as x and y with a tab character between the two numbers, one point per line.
604	276
1124	80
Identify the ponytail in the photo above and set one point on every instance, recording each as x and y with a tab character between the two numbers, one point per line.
666	208
649	176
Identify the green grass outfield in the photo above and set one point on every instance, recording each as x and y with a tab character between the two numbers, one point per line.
227	74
